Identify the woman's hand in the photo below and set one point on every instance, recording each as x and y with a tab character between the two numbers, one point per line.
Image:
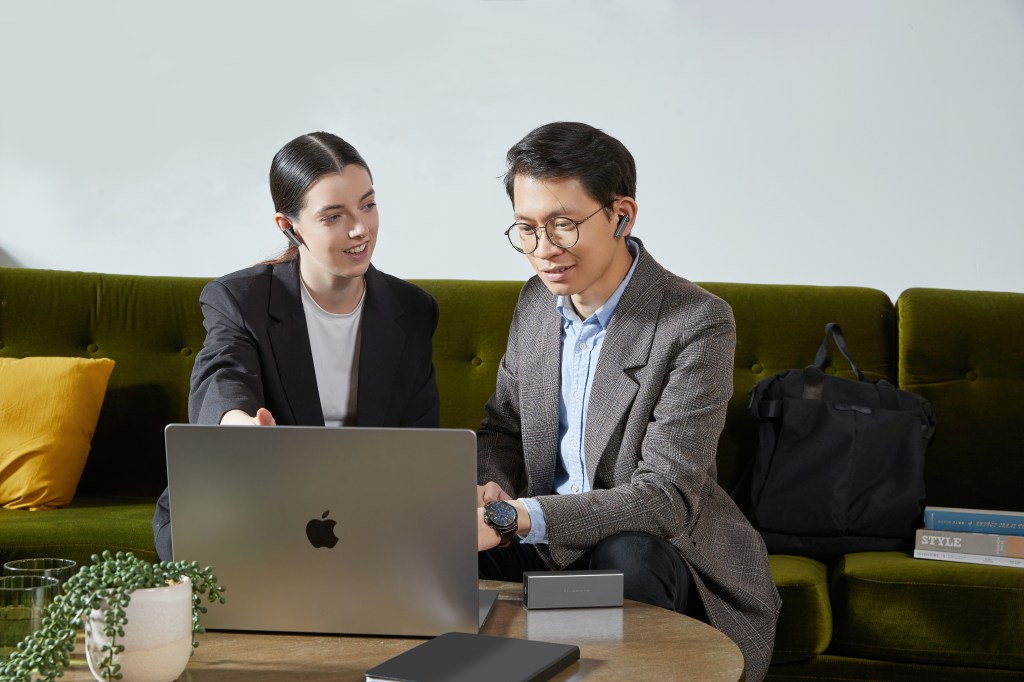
241	418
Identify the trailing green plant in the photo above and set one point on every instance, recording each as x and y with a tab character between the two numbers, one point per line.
106	584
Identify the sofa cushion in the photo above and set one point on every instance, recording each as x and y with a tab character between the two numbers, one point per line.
962	350
87	527
805	622
48	409
830	667
890	606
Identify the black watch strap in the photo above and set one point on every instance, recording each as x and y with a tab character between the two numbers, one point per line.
505	537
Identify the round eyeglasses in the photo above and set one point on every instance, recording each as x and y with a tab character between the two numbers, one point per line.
561	231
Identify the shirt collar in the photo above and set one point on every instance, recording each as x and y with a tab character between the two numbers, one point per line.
603	315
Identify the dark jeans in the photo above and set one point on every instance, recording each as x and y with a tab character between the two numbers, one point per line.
653	570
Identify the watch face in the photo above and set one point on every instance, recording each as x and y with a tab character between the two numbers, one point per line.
502	514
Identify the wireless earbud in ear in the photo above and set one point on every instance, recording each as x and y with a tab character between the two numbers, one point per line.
621	226
289	234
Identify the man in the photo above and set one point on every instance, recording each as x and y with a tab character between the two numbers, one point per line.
609	403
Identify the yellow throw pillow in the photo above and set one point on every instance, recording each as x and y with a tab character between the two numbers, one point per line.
48	413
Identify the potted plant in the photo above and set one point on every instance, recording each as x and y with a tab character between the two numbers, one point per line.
162	601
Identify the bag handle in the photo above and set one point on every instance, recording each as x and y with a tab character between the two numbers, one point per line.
821	359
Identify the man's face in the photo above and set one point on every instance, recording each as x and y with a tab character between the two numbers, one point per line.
592	269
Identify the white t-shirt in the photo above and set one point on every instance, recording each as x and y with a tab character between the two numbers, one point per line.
334	340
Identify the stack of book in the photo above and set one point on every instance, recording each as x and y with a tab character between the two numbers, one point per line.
973	536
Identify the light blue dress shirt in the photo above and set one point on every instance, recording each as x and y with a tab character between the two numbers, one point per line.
581	347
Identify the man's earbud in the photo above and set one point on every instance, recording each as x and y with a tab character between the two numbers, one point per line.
621	226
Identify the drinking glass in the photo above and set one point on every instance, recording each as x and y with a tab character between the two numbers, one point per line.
59	569
23	599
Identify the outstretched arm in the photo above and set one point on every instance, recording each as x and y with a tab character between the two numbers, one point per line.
226	376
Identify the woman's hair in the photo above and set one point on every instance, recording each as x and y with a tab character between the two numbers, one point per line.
298	165
565	150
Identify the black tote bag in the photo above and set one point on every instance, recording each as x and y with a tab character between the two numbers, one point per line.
839	465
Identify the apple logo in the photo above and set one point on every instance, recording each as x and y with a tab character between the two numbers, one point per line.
321	531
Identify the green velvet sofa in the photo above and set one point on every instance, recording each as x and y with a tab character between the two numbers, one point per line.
877	616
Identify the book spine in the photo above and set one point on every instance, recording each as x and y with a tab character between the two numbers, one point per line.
969	558
972	521
970	543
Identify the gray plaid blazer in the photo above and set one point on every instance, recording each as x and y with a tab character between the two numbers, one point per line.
657	407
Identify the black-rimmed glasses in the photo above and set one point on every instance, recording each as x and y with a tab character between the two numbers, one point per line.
561	231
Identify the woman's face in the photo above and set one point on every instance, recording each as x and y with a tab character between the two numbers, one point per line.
338	226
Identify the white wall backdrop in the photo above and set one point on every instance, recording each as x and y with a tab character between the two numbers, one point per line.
871	143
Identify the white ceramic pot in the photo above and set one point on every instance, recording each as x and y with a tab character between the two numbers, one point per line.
157	639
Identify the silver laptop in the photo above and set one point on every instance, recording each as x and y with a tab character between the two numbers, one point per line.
330	530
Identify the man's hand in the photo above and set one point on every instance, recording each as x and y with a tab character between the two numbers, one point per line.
240	418
487	537
491	492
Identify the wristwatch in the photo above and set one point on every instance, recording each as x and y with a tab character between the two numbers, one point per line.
504	519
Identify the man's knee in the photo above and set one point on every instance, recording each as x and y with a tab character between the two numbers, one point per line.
631	552
653	570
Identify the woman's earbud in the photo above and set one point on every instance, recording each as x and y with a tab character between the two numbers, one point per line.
289	234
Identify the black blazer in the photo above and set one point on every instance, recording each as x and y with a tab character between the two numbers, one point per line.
257	354
257	351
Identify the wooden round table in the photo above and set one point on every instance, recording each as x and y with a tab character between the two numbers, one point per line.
635	642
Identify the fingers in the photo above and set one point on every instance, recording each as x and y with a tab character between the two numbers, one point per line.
242	418
490	492
264	418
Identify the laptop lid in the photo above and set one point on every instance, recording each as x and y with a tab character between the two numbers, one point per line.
329	530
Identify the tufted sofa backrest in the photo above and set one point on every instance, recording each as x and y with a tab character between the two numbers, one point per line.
151	326
470	340
963	351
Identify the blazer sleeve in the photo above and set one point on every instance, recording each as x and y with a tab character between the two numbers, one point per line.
226	374
666	462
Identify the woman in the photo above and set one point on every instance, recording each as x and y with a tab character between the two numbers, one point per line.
317	336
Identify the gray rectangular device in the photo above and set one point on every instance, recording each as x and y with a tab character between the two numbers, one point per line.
330	530
572	589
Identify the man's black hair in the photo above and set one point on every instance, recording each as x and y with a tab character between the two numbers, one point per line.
566	150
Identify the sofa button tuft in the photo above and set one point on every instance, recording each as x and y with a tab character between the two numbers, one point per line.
476	362
92	348
186	352
972	376
830	370
1	344
757	368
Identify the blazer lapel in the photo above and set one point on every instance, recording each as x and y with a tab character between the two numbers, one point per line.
540	361
289	340
380	345
626	347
